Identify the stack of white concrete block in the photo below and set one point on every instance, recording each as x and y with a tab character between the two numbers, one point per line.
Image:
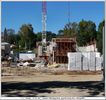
98	62
80	61
71	61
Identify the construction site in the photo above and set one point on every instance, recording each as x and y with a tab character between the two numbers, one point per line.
58	68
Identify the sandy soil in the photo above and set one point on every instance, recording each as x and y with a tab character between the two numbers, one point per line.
50	85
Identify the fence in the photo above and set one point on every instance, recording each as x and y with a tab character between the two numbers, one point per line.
84	61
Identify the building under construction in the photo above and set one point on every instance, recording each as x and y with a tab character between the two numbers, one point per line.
64	45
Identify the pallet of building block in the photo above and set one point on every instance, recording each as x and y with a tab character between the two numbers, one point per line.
71	61
85	63
92	66
97	54
78	61
98	64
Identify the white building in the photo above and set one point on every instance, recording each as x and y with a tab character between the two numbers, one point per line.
87	48
5	48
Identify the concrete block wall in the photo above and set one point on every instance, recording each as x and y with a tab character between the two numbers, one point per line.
84	61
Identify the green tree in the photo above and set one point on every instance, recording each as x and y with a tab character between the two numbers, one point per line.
60	33
86	32
27	36
70	30
18	38
39	36
100	37
49	36
11	38
5	35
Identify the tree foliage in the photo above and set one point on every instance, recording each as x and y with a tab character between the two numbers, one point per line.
60	33
49	36
28	38
70	30
5	35
86	32
100	37
9	36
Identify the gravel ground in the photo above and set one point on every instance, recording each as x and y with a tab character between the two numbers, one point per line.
32	83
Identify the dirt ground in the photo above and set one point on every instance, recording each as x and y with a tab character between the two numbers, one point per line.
53	85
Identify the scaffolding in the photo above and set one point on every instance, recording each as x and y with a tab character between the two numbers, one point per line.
64	45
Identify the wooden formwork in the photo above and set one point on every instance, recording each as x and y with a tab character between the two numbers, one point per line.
64	45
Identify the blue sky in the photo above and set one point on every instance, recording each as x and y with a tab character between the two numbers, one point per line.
14	14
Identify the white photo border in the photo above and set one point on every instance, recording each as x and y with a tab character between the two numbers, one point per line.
47	98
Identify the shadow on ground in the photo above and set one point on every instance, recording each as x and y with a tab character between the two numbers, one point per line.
21	89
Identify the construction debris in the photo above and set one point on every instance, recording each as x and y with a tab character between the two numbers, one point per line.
54	65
